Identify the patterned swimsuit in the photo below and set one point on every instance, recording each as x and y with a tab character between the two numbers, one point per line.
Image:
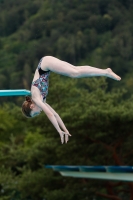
42	82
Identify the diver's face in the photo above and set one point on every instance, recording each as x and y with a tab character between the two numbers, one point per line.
35	110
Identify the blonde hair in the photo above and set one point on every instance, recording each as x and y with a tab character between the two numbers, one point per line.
26	110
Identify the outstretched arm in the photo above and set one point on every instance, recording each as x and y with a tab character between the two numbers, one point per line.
48	111
59	120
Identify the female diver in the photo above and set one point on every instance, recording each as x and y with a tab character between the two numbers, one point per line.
39	88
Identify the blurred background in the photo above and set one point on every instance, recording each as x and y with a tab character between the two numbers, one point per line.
96	111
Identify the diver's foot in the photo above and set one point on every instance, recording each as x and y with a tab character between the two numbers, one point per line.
112	75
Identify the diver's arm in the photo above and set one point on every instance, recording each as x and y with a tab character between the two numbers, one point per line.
51	117
59	120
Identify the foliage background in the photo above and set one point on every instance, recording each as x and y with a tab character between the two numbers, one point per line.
96	111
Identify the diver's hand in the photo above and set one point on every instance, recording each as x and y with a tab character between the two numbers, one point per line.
64	135
67	134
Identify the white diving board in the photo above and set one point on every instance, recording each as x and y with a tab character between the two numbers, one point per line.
117	173
21	92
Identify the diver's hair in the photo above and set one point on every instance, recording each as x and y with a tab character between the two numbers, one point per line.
26	110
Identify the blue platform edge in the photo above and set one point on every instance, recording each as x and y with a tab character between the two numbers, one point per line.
111	169
21	92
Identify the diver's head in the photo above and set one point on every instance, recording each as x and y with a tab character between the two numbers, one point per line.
26	107
29	108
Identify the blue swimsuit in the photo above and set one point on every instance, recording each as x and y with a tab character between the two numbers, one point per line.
42	82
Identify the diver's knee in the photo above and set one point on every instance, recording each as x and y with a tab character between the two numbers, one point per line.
75	74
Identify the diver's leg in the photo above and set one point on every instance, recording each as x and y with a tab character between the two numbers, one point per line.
64	68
